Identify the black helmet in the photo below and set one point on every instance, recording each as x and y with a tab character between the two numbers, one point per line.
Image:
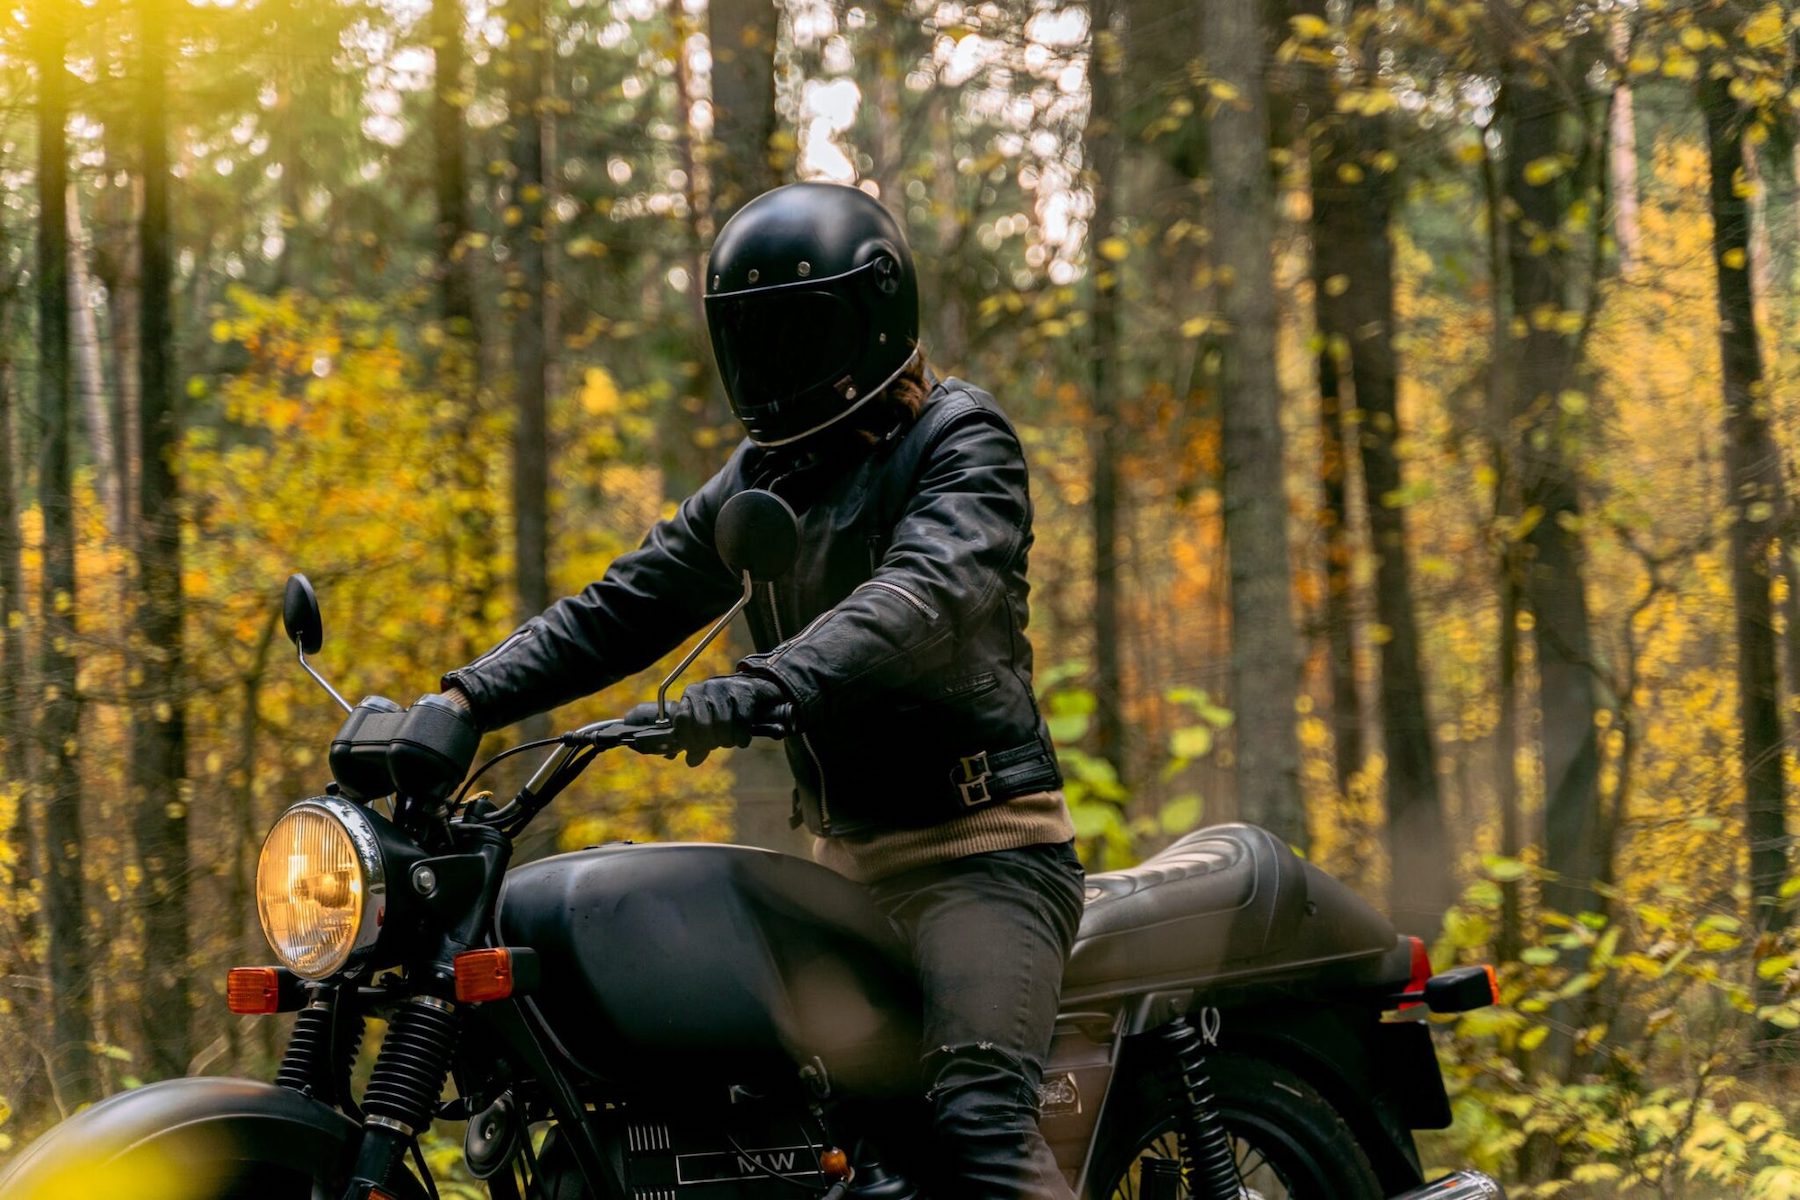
812	305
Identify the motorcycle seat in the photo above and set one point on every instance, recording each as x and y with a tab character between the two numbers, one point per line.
1231	894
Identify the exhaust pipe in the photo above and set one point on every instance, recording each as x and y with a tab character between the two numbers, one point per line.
1461	1185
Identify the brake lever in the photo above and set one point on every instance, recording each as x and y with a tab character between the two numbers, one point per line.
660	737
652	739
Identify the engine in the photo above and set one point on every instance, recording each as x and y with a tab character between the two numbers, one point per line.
743	1151
746	1151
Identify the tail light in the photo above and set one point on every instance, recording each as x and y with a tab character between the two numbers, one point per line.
1458	990
1421	975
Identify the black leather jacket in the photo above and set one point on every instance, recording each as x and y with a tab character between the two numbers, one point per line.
899	634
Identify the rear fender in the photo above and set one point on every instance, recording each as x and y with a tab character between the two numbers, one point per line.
188	1139
1381	1077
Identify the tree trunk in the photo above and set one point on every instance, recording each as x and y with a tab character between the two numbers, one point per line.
1545	429
90	376
1622	150
1334	529
117	268
159	722
458	365
949	347
284	130
1265	668
1510	939
15	730
1100	151
59	711
1754	486
1334	465
692	443
26	1085
529	66
741	35
1353	202
887	145
456	297
1551	582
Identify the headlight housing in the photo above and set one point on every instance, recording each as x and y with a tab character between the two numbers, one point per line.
321	886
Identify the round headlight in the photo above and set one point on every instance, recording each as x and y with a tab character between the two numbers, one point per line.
319	884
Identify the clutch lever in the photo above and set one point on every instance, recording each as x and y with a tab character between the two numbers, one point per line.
652	739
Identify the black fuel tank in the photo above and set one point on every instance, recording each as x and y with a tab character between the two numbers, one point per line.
662	963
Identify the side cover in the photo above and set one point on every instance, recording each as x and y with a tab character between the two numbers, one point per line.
194	1139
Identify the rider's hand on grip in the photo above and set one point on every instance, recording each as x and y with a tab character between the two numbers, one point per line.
727	710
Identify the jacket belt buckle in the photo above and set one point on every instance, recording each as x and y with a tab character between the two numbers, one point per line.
974	781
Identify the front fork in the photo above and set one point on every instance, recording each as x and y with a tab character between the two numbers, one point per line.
402	1096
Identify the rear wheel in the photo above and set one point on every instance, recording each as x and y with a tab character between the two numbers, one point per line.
1290	1144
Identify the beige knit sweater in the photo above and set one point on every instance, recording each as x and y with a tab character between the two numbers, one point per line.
1024	821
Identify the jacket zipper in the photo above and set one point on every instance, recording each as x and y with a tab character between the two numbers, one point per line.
516	636
930	613
790	643
818	766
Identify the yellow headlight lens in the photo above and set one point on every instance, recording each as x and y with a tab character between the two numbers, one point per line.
309	892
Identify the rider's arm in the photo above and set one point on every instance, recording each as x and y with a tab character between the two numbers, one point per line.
648	601
945	570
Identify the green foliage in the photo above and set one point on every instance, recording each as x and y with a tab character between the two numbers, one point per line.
1667	1096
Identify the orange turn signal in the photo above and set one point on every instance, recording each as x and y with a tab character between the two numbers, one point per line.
252	991
484	975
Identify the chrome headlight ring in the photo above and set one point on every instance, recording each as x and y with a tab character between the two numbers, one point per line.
365	845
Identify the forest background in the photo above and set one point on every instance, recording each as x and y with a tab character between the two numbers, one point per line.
1408	384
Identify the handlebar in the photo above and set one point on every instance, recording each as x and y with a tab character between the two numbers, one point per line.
560	768
658	738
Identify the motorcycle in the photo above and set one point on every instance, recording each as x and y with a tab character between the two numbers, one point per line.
709	1022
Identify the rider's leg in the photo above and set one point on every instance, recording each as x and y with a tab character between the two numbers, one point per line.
990	935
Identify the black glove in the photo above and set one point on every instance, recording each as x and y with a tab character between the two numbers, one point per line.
716	712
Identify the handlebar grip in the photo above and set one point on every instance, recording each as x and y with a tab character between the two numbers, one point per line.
779	724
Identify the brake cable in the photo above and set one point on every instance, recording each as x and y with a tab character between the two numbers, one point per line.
521	748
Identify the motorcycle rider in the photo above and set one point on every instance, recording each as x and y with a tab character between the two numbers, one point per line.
922	764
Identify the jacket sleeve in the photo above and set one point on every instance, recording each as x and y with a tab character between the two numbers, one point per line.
944	571
647	603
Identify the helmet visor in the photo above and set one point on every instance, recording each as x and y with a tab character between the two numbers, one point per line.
781	344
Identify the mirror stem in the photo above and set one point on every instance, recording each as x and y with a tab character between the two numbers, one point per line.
342	703
662	693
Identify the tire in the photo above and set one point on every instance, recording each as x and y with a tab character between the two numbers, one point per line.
1290	1143
203	1138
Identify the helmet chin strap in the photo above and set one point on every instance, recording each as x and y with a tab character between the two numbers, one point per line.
874	392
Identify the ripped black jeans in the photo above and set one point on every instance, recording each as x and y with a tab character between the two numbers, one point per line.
990	936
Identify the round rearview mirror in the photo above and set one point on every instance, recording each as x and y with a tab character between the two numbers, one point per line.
757	532
300	615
